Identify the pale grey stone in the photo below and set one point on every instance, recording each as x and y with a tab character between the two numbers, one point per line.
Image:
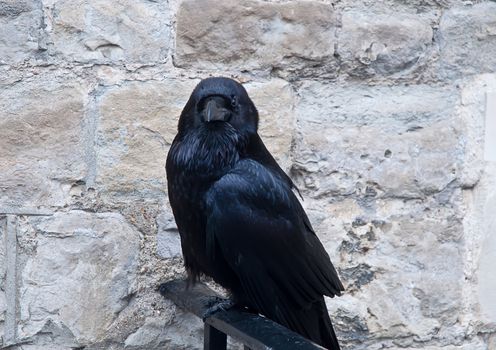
275	102
292	36
3	261
148	335
472	117
383	44
79	273
469	345
480	200
21	23
383	141
412	255
157	333
3	270
109	31
467	40
42	121
486	278
168	240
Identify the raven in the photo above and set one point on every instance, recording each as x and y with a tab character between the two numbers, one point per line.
239	220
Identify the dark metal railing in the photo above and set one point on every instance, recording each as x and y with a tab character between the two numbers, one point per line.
254	331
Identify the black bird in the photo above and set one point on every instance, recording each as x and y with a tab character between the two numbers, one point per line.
239	220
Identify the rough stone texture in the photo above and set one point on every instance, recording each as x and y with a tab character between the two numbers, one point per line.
467	39
103	30
255	35
275	104
67	258
479	224
3	270
486	278
168	240
382	44
387	142
375	108
41	123
21	23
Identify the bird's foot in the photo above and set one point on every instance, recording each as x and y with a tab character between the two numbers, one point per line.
215	305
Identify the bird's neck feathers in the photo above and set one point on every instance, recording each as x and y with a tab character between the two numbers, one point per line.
209	151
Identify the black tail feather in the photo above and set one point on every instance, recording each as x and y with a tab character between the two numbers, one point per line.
328	336
313	323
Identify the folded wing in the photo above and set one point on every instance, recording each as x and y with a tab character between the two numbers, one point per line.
256	222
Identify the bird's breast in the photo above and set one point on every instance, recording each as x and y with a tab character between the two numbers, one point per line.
205	157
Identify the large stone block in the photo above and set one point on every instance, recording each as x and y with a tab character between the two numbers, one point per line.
275	102
78	273
42	128
384	141
157	333
105	31
480	200
467	37
255	35
21	23
138	122
403	271
371	44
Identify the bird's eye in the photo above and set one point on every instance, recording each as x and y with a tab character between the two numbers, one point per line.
234	101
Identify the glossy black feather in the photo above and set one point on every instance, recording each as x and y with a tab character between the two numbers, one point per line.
239	220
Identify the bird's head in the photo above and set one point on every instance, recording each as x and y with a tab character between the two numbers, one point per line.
219	103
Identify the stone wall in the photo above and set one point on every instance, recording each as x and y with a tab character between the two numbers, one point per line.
376	108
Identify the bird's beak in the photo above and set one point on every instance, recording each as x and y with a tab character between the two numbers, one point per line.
213	112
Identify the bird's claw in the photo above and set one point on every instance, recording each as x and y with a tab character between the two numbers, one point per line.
216	305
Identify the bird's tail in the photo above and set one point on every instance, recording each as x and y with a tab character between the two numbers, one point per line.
326	330
315	324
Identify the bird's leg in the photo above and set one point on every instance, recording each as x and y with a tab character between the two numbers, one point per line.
216	304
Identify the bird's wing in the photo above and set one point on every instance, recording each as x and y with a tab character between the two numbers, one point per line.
256	222
257	151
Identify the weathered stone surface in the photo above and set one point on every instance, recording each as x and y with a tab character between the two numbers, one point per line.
275	103
138	122
255	35
3	270
21	23
485	204
467	37
469	345
3	262
471	114
424	7
480	202
390	255
371	44
379	141
157	333
168	239
78	274
106	31
42	127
